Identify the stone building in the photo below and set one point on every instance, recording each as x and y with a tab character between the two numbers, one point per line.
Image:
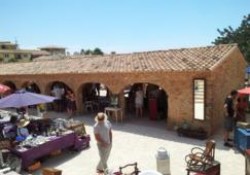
11	52
54	50
195	81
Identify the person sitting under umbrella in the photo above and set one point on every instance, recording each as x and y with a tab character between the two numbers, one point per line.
22	131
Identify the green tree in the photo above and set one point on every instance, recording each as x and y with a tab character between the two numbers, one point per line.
97	51
88	52
240	35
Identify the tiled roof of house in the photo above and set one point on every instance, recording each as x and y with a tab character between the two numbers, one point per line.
16	51
173	60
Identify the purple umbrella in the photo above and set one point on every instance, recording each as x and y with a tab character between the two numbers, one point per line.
24	98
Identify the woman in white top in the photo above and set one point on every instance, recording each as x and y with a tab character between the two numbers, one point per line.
139	102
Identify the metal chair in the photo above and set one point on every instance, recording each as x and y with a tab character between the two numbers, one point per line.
88	105
135	170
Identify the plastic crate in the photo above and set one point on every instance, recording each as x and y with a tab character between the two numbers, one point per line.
242	137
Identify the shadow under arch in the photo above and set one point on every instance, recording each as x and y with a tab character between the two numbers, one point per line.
31	87
11	85
58	89
155	101
94	96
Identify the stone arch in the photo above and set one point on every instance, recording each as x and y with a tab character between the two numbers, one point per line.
11	84
93	92
48	87
60	104
151	90
31	86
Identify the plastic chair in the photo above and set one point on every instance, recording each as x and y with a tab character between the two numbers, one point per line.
88	105
199	158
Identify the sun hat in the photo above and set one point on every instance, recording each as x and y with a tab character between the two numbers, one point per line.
101	117
22	123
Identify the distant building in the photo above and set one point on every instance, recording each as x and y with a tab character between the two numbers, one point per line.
54	50
10	52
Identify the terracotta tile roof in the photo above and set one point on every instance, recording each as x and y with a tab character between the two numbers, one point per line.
187	59
16	51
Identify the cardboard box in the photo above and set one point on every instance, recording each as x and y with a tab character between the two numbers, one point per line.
35	166
51	171
243	125
56	152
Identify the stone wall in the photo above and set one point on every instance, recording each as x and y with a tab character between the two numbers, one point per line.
226	76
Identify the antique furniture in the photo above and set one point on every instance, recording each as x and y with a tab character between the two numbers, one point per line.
51	171
132	168
91	106
199	158
114	112
209	169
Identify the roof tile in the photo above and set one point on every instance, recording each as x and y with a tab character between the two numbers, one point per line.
185	59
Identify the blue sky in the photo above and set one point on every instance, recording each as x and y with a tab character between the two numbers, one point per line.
121	26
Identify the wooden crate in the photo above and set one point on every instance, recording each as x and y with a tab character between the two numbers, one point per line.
51	171
56	152
35	166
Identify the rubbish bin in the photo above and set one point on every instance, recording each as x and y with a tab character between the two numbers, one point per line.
163	161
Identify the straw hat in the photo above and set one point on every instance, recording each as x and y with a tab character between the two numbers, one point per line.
22	123
101	117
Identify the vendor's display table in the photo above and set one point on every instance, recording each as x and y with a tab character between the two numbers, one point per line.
31	155
114	111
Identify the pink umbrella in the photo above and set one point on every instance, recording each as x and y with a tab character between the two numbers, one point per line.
3	88
245	91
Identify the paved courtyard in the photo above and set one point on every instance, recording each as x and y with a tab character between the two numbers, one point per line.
137	140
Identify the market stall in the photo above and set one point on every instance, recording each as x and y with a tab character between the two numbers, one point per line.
45	137
32	150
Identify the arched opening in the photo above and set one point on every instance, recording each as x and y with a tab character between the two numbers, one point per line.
31	87
11	85
60	90
154	102
95	97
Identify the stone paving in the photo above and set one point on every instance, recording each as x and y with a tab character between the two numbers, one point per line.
137	140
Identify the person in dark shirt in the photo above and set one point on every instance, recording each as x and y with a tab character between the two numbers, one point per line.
10	129
230	114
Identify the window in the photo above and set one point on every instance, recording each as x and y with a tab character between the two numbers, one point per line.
199	99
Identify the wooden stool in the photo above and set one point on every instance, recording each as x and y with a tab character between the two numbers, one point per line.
51	171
